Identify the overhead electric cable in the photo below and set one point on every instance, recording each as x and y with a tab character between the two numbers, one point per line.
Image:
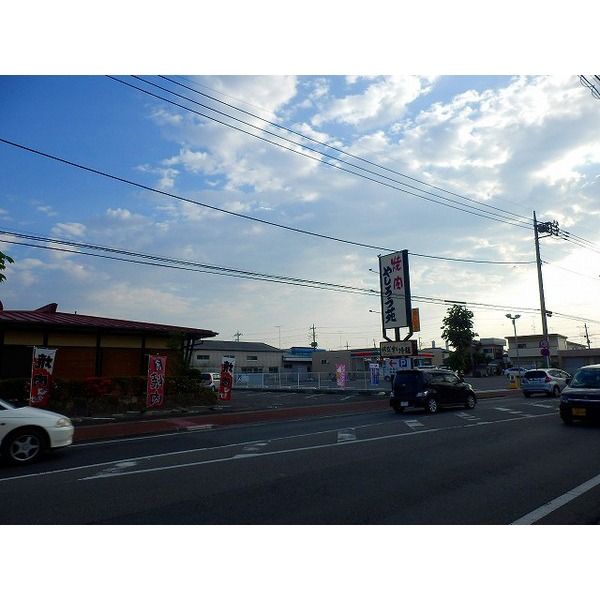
334	148
160	261
485	214
204	205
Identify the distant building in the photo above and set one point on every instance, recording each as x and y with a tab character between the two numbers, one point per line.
529	349
250	357
571	359
299	359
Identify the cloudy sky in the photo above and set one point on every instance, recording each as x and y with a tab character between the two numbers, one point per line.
242	180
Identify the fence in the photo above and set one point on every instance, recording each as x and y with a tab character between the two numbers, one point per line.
359	380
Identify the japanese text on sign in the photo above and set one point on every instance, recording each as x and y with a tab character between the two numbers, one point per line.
395	290
406	348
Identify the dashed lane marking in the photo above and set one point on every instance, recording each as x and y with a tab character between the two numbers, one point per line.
346	435
510	411
413	423
467	416
252	449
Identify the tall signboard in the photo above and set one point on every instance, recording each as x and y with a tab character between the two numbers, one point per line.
395	293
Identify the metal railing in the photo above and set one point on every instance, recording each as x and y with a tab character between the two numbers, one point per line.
359	380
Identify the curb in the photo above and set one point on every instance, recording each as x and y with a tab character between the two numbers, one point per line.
191	421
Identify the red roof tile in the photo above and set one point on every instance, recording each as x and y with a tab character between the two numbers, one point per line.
48	316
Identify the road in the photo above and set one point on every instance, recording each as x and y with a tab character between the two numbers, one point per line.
511	460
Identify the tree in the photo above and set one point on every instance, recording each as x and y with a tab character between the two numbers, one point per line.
3	260
458	331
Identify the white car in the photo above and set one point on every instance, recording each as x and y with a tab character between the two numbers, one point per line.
27	432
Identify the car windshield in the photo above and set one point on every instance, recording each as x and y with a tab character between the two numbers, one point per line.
6	405
586	378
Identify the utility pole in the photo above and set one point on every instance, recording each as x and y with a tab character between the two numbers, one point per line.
279	328
587	337
313	344
550	228
237	336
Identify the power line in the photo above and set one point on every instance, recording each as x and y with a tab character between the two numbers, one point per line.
486	214
160	261
329	146
215	208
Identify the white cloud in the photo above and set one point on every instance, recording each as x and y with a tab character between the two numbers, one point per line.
383	102
77	230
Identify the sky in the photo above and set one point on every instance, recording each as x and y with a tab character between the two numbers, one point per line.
303	177
257	206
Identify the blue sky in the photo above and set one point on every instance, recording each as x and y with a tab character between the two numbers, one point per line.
504	145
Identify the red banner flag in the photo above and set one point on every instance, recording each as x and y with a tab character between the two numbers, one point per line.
157	366
41	376
226	384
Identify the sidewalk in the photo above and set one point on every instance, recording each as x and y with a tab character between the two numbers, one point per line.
139	424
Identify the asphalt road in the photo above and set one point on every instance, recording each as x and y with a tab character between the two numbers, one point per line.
511	460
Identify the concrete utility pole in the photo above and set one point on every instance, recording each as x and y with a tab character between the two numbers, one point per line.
550	228
237	336
314	344
514	319
587	337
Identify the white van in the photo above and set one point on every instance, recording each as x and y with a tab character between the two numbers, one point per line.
210	381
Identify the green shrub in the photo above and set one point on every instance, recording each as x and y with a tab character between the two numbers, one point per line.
109	395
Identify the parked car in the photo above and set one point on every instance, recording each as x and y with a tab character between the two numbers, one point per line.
515	371
430	389
210	381
581	398
544	381
27	432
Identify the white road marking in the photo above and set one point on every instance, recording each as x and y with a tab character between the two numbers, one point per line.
212	449
511	411
346	435
546	509
413	423
467	416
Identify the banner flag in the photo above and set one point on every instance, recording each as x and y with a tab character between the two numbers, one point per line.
374	370
340	375
41	376
157	366
226	385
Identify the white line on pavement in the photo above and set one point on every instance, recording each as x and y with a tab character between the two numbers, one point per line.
546	509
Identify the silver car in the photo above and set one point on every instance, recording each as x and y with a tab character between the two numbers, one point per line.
544	381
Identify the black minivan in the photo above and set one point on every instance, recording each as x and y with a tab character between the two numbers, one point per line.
430	389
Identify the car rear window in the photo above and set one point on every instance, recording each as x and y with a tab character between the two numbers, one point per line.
407	377
535	375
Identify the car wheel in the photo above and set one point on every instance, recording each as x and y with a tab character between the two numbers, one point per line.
555	392
527	394
398	409
25	446
471	401
431	405
567	419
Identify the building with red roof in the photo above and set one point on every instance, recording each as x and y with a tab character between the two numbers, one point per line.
88	346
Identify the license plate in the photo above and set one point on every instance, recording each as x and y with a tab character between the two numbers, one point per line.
578	412
403	403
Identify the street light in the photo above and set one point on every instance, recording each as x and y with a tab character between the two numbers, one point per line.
513	319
